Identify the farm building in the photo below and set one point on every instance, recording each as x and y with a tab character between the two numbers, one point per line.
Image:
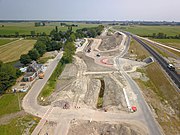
33	71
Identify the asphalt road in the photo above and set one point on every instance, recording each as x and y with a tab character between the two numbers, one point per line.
30	104
173	74
151	123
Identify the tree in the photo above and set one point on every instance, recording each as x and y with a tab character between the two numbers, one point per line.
17	34
33	33
40	47
70	47
72	37
1	63
154	35
25	59
37	24
7	76
33	54
56	29
67	57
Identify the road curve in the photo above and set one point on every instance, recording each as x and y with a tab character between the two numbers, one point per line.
29	102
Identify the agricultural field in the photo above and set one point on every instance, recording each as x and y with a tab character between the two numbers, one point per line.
27	27
149	30
13	51
5	41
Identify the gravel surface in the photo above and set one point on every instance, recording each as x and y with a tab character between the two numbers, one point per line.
102	128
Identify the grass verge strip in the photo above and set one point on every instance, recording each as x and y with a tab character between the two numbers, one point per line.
50	85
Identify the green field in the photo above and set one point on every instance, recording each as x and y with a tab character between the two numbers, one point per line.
161	94
19	125
170	42
15	124
138	50
27	27
149	30
5	41
8	104
13	51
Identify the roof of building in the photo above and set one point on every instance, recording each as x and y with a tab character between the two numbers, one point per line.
28	74
35	66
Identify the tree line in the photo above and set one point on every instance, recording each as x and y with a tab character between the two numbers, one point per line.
57	40
8	76
161	35
43	44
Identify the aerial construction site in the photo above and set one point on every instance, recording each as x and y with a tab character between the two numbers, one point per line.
96	94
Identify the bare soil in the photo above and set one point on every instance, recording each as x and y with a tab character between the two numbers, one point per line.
91	66
104	128
7	118
113	95
110	42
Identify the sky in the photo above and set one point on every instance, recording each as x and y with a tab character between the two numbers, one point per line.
102	10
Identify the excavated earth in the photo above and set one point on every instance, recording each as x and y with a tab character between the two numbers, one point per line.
110	42
104	128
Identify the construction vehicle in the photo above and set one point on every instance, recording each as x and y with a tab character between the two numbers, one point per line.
41	75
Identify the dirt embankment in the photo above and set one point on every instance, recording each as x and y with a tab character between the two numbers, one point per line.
102	128
91	66
110	42
113	98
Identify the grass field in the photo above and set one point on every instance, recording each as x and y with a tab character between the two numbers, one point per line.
8	104
27	27
136	49
15	124
162	96
170	42
149	30
19	126
163	52
13	51
5	41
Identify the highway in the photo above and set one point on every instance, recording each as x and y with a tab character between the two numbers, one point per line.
173	74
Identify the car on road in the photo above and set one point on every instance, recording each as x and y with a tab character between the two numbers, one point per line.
98	55
171	67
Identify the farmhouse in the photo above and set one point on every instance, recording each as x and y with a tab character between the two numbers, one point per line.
33	71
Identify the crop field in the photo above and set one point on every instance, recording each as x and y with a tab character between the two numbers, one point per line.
5	41
149	30
27	27
14	50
